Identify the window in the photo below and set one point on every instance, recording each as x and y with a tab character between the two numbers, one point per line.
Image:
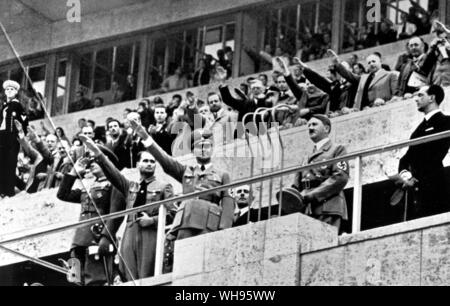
104	72
37	76
61	88
302	29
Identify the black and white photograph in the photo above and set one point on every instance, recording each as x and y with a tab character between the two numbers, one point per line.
225	149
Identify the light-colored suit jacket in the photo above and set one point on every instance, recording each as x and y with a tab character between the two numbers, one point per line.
384	85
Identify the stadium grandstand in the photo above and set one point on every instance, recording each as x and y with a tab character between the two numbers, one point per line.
95	78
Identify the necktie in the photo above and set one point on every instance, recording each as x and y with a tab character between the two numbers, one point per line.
365	95
141	198
215	115
203	168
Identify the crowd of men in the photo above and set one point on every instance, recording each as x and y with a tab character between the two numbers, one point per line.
152	133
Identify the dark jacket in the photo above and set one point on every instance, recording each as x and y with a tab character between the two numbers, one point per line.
119	148
163	137
8	113
201	77
328	197
243	107
316	103
156	191
338	92
196	213
101	194
425	164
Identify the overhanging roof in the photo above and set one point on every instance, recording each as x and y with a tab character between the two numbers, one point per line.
55	10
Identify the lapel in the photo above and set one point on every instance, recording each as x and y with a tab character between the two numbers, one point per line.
326	147
378	76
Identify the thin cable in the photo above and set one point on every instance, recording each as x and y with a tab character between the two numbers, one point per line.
67	153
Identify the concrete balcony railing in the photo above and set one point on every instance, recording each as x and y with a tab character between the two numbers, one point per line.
357	131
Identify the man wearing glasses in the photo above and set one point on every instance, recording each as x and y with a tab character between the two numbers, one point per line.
138	247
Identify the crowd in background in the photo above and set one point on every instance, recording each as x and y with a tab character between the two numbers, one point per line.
349	86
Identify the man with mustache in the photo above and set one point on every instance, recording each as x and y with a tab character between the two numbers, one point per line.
319	192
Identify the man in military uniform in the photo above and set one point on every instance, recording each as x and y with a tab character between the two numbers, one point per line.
138	247
10	110
319	192
95	271
208	213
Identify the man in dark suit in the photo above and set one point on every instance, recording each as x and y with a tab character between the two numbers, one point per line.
421	167
117	143
321	189
161	132
247	105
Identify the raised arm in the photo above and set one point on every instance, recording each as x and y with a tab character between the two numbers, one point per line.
171	166
117	179
294	87
319	81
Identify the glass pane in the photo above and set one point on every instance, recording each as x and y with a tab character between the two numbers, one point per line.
3	76
17	75
57	106
103	70
86	67
123	63
136	59
213	36
37	75
156	69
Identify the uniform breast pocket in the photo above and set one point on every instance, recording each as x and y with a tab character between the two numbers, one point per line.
214	180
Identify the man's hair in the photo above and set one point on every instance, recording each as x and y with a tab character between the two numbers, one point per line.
213	94
158	100
99	98
437	92
177	96
263	75
91	122
139	156
377	54
110	120
161	106
143	104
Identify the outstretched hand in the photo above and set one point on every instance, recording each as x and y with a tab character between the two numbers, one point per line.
298	62
440	27
19	128
139	129
333	55
32	135
283	66
90	145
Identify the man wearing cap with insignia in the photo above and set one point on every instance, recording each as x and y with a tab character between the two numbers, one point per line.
208	213
319	192
96	270
138	247
10	110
